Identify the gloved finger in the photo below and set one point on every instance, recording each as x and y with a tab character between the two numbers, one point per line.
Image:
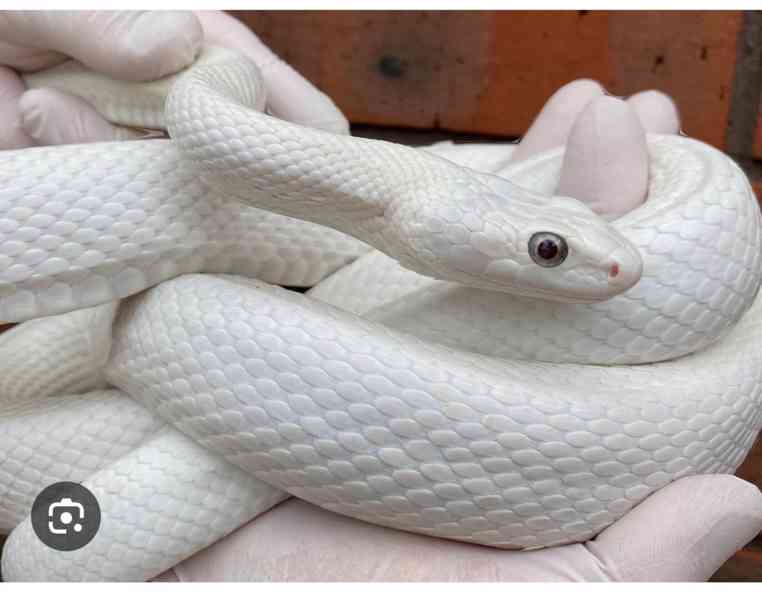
606	160
552	125
12	134
23	58
684	532
289	95
128	45
51	117
297	541
657	111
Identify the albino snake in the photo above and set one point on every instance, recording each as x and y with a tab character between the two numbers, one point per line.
461	399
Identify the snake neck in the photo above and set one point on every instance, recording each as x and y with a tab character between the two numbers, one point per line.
381	193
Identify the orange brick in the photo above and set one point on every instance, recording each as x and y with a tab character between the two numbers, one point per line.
523	57
751	469
744	565
490	72
689	55
381	68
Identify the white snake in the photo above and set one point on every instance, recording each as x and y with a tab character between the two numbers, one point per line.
436	407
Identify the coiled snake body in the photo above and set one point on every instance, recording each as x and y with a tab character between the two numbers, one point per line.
459	381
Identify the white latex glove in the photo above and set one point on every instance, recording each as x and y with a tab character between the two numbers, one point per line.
684	532
130	45
606	163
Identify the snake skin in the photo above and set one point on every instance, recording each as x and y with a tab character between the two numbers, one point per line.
416	432
159	504
45	438
65	438
54	356
82	225
372	280
381	426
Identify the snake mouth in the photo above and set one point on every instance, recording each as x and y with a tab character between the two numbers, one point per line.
590	284
605	289
556	295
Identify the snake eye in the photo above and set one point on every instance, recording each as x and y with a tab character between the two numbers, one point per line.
548	249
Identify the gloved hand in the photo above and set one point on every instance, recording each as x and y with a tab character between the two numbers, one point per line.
128	45
684	532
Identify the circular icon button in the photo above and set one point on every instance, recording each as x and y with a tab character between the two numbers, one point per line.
66	516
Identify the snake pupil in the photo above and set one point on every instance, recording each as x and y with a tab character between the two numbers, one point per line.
547	249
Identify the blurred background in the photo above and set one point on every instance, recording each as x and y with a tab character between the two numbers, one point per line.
431	74
420	76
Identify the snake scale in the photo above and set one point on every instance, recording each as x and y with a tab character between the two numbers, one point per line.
477	359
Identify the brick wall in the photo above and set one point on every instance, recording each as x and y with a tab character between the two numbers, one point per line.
490	72
746	565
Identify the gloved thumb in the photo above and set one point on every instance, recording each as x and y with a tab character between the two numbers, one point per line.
684	532
127	45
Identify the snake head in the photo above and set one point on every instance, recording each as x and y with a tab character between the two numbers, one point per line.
485	232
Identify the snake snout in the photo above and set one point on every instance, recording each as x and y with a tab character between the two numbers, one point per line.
625	268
